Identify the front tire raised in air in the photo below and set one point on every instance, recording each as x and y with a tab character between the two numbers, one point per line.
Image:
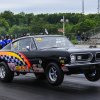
54	74
6	75
93	75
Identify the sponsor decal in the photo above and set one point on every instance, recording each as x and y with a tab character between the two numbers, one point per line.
41	69
64	68
39	65
62	61
39	41
15	43
11	64
26	70
14	46
23	48
34	65
23	67
15	68
31	71
40	61
35	68
18	67
38	38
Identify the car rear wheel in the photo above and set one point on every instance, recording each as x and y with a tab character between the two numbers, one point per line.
6	75
54	74
40	75
93	75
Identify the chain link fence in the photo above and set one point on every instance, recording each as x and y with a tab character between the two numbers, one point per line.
93	32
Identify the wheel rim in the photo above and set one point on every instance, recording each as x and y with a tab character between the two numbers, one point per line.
53	74
92	74
2	72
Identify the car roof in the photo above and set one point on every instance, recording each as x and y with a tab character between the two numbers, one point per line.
35	36
47	35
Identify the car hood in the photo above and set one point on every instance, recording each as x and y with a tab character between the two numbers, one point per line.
73	49
83	49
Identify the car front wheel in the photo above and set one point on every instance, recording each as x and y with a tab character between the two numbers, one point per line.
54	74
93	75
6	75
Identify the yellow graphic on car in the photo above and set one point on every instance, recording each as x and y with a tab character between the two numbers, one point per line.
15	43
38	38
12	54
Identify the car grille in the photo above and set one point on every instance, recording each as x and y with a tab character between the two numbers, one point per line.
97	57
85	57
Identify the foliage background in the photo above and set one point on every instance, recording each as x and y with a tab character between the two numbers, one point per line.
17	24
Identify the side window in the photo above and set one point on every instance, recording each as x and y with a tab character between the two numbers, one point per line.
23	43
15	45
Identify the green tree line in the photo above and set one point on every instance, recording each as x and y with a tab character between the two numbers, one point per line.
17	24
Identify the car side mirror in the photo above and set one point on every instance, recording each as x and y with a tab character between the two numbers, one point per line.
27	47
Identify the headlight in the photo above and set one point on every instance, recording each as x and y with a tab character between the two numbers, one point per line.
73	58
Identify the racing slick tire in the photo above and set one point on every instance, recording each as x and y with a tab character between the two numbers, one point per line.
40	75
93	75
6	75
54	74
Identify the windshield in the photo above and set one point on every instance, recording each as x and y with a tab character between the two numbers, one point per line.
45	42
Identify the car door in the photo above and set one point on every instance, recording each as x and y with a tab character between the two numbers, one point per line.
27	49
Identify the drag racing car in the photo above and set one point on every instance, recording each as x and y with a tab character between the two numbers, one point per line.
48	57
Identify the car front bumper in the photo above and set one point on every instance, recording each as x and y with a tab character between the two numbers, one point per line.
81	66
